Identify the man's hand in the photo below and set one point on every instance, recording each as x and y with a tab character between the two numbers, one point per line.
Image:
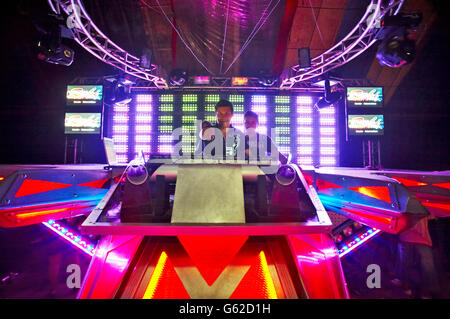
207	135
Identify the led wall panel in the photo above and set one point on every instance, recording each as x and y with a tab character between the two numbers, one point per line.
189	118
308	134
305	136
328	150
238	106
120	125
143	116
165	125
259	106
283	124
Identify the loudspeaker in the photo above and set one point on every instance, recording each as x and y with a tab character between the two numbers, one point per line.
304	59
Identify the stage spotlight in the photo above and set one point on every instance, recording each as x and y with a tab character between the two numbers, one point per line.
121	93
304	59
146	59
397	47
51	50
266	79
178	77
329	97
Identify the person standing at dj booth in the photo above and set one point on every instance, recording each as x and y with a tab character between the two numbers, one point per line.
255	143
231	145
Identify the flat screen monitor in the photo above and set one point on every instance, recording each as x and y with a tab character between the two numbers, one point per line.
82	123
365	96
85	95
365	124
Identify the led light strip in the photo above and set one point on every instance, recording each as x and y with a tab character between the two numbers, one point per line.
68	235
358	241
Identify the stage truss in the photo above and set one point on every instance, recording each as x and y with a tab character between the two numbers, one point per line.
362	36
359	39
92	39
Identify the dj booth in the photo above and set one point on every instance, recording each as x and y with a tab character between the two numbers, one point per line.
203	228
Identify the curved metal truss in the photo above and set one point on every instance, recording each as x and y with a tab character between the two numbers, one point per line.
355	42
89	36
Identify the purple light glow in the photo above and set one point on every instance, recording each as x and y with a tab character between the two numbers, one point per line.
304	130
120	118
76	240
144	98
143	119
120	138
305	140
304	120
306	160
328	161
121	148
304	100
327	151
120	129
165	139
143	129
121	108
305	150
165	148
327	131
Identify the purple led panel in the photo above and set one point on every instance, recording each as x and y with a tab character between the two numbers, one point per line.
259	106
120	128
305	130
328	150
144	106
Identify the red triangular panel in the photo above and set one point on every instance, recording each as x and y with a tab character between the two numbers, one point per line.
443	185
169	285
212	254
254	285
378	192
321	184
31	186
408	182
95	184
309	179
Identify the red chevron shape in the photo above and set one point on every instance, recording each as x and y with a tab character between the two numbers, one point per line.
321	184
378	192
31	186
95	184
408	182
212	254
443	185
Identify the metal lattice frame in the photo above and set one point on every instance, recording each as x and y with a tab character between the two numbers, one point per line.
89	36
356	42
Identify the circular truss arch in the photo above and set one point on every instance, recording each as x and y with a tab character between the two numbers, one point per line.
92	39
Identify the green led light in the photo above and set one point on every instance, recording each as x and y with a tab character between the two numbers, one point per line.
282	120
238	108
189	108
282	99
282	130
212	98
188	129
210	108
166	98
189	119
188	148
236	98
166	108
165	118
283	140
190	98
189	139
282	109
210	118
165	128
